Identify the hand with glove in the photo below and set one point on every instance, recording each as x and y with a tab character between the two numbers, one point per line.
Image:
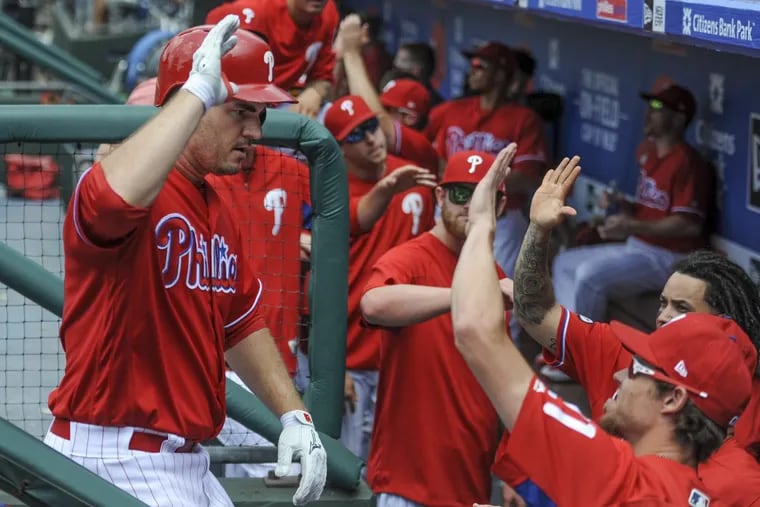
299	439
206	80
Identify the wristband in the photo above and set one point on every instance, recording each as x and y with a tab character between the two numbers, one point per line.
201	88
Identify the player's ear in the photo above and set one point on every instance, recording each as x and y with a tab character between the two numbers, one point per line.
440	195
674	400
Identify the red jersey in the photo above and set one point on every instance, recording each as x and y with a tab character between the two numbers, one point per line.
301	55
747	430
680	182
413	146
153	298
409	214
424	378
577	463
590	353
464	125
267	202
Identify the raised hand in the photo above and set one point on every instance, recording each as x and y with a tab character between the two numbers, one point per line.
483	202
548	207
406	177
206	80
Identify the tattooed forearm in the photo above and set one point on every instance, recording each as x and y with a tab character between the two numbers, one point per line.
534	294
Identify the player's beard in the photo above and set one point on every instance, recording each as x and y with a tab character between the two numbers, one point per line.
452	221
610	425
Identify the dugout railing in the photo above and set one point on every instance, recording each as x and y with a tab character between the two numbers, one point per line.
45	126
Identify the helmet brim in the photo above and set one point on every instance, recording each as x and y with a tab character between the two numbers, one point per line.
263	94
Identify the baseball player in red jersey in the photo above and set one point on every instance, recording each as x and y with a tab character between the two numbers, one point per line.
390	202
591	353
667	219
679	392
408	293
401	106
159	295
300	33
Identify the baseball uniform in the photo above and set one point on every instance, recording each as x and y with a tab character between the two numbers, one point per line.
576	463
435	429
413	146
118	405
590	353
677	183
267	202
301	55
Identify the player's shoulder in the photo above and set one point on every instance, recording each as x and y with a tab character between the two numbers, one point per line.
516	112
413	251
330	14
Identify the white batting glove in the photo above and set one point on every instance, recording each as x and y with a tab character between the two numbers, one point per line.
206	80
300	439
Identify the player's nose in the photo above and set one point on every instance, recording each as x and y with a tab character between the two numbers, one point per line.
252	129
620	376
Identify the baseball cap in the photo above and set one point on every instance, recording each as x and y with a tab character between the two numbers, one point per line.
467	167
494	52
406	94
345	114
676	98
705	353
243	10
143	94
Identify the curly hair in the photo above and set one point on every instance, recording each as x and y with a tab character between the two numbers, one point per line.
693	429
730	290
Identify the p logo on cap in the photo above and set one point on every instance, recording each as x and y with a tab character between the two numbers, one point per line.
474	161
467	167
348	106
345	114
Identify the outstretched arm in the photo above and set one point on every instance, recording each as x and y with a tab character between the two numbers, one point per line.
535	305
477	308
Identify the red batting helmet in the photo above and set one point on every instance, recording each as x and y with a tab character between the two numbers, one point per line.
250	65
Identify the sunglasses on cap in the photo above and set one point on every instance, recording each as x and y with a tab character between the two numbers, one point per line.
360	132
639	367
461	194
656	105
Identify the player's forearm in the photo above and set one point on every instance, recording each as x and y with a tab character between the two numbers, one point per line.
372	206
322	87
258	362
536	307
478	315
136	169
404	305
360	84
674	226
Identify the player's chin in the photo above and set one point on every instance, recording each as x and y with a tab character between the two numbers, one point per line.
609	423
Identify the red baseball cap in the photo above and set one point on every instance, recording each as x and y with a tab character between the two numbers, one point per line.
708	354
345	114
243	10
406	94
496	53
676	98
467	167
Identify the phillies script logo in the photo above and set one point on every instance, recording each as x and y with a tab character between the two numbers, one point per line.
650	196
456	141
188	256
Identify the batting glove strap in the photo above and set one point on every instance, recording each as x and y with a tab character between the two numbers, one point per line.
296	417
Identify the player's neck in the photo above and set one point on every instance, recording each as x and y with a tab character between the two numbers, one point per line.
491	99
664	144
300	18
371	173
660	441
452	243
189	171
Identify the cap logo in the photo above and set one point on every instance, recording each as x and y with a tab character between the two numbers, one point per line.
474	161
249	15
390	84
680	368
347	106
269	60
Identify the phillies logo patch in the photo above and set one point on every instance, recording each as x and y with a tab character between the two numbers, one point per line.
457	141
474	161
187	255
348	106
650	196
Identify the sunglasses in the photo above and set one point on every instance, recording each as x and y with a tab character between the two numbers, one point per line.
656	105
638	367
461	194
359	133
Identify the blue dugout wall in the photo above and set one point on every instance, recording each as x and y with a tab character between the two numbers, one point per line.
600	72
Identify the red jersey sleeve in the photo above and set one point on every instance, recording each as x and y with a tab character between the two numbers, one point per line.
412	145
100	216
590	353
690	189
245	316
397	266
567	455
531	146
354	228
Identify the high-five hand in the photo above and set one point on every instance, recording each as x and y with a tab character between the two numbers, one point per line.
483	201
548	207
206	80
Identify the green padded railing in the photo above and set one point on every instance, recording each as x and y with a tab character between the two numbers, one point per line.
329	191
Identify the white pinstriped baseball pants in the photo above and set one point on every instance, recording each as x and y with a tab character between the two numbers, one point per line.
161	478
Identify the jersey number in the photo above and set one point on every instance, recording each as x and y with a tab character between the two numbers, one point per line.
567	414
275	201
412	204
